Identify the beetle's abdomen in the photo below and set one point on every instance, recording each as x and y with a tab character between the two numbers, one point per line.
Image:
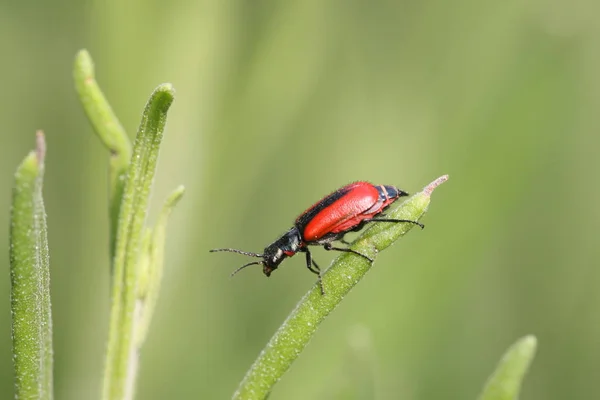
387	192
344	209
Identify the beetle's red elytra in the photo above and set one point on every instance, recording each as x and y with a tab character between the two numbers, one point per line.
347	209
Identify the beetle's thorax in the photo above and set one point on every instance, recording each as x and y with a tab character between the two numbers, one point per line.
286	246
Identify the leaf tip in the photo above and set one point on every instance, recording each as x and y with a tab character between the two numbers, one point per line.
166	88
527	345
162	97
506	381
84	63
529	341
427	190
40	150
83	54
175	196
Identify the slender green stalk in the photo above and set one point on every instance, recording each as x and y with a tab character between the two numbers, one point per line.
30	281
505	382
151	277
109	130
136	257
119	374
345	272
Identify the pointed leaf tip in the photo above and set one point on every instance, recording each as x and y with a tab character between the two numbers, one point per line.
30	280
427	190
505	383
175	196
40	147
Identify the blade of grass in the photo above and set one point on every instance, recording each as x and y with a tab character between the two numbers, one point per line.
345	272
30	281
109	130
505	382
121	356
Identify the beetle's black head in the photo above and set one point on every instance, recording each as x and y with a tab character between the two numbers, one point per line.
286	246
271	259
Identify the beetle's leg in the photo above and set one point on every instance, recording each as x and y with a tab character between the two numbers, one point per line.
393	220
328	247
344	241
309	264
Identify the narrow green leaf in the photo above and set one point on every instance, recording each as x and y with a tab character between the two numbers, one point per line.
345	272
30	281
152	276
505	382
109	130
144	263
121	357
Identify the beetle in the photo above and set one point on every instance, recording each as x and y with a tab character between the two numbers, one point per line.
348	209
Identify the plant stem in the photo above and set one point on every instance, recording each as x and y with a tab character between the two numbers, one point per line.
30	281
345	272
109	130
119	374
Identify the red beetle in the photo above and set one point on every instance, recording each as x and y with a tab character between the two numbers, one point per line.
347	209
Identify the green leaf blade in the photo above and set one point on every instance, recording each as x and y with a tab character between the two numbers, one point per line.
110	131
505	383
30	281
121	357
152	276
106	124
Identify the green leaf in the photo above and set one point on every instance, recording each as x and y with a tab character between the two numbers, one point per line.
151	275
121	356
505	382
109	130
30	281
345	272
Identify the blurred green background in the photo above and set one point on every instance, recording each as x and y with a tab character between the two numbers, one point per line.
279	103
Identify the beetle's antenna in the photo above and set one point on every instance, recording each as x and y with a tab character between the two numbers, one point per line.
246	253
246	265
